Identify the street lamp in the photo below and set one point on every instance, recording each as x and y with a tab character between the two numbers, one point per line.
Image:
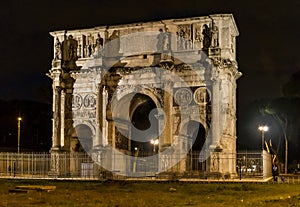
19	132
263	129
154	142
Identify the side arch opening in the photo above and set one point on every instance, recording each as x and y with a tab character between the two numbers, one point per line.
196	136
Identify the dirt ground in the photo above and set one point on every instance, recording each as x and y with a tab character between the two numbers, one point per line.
152	194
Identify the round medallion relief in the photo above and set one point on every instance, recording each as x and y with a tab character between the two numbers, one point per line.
200	95
183	96
89	101
76	101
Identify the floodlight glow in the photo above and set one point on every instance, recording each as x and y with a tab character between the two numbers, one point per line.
154	142
263	128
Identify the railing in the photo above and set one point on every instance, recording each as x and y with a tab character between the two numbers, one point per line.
81	166
25	164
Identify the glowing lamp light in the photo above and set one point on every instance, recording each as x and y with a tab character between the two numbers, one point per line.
263	128
19	132
154	141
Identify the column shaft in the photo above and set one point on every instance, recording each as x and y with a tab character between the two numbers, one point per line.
56	118
62	121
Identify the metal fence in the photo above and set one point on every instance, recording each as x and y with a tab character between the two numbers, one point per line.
24	164
81	166
254	164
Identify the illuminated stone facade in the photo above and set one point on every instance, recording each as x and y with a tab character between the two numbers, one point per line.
107	78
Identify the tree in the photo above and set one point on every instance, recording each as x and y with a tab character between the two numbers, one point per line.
291	88
285	111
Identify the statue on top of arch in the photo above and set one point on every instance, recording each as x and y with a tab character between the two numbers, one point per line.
214	35
69	53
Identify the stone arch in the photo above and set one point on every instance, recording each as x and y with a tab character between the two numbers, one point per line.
144	118
196	133
131	90
202	121
85	134
186	129
134	116
195	67
78	122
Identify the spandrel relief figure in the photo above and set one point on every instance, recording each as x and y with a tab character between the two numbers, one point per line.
69	53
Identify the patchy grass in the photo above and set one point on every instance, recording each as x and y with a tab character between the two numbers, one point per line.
140	194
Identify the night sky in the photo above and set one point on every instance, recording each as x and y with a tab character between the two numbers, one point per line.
267	47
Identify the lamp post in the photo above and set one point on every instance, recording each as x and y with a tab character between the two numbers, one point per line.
19	132
263	129
154	142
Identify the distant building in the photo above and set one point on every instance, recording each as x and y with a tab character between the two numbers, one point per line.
117	89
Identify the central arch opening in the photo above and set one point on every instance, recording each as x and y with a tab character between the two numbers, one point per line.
144	119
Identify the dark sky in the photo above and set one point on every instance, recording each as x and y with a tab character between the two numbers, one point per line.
267	47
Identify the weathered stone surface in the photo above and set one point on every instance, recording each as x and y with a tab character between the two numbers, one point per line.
186	67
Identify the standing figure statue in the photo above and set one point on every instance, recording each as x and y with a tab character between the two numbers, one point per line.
57	55
167	40
163	41
98	46
214	36
69	53
160	41
206	37
99	42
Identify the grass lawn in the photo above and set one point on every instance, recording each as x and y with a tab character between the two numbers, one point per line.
112	194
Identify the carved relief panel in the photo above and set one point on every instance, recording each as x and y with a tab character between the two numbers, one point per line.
184	37
89	43
84	106
198	37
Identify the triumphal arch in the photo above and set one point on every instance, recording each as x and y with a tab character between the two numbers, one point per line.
145	99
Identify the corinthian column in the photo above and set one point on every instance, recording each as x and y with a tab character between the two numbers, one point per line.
167	107
62	119
56	118
101	128
215	131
